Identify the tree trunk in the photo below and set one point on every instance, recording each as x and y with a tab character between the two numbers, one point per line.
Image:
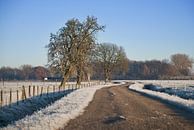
65	78
79	77
106	76
62	82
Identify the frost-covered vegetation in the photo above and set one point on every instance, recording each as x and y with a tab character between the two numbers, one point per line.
183	92
17	85
19	110
11	92
55	115
179	92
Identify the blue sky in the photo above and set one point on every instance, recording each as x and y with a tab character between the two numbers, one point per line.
147	29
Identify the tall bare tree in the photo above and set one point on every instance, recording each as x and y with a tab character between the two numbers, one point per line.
40	72
110	56
27	71
70	46
182	62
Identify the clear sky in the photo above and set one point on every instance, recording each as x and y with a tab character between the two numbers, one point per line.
147	29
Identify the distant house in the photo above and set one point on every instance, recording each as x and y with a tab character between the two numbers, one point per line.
53	78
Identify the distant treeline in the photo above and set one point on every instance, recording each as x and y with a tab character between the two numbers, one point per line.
25	72
179	67
153	69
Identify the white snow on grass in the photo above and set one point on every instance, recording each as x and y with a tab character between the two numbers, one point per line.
168	83
43	87
187	104
59	113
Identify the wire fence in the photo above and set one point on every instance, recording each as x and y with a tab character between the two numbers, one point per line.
24	92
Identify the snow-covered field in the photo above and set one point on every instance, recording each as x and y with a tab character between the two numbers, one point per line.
178	92
15	86
59	113
19	110
69	105
168	83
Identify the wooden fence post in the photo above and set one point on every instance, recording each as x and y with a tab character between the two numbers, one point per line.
1	97
54	88
23	93
29	91
33	90
37	90
41	91
10	96
17	96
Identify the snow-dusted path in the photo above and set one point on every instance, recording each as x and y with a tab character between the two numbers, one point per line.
59	113
117	108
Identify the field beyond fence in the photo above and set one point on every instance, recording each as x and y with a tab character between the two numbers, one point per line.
13	92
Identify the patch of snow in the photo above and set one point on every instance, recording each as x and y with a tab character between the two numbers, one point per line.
19	110
16	88
188	104
167	83
59	113
183	92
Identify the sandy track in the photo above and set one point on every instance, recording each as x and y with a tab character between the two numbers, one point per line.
117	108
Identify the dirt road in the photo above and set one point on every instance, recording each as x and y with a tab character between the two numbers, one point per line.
117	108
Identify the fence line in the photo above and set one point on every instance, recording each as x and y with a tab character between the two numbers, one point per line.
9	97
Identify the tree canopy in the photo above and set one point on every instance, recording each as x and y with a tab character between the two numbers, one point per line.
182	62
70	47
111	57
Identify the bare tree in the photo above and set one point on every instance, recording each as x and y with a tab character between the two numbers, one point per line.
40	72
110	56
27	71
182	62
70	46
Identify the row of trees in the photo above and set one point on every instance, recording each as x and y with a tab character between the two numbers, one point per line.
110	66
69	50
25	72
74	52
178	67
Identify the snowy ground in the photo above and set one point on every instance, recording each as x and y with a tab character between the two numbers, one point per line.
13	86
19	110
168	83
17	85
183	92
59	113
47	87
180	88
171	98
